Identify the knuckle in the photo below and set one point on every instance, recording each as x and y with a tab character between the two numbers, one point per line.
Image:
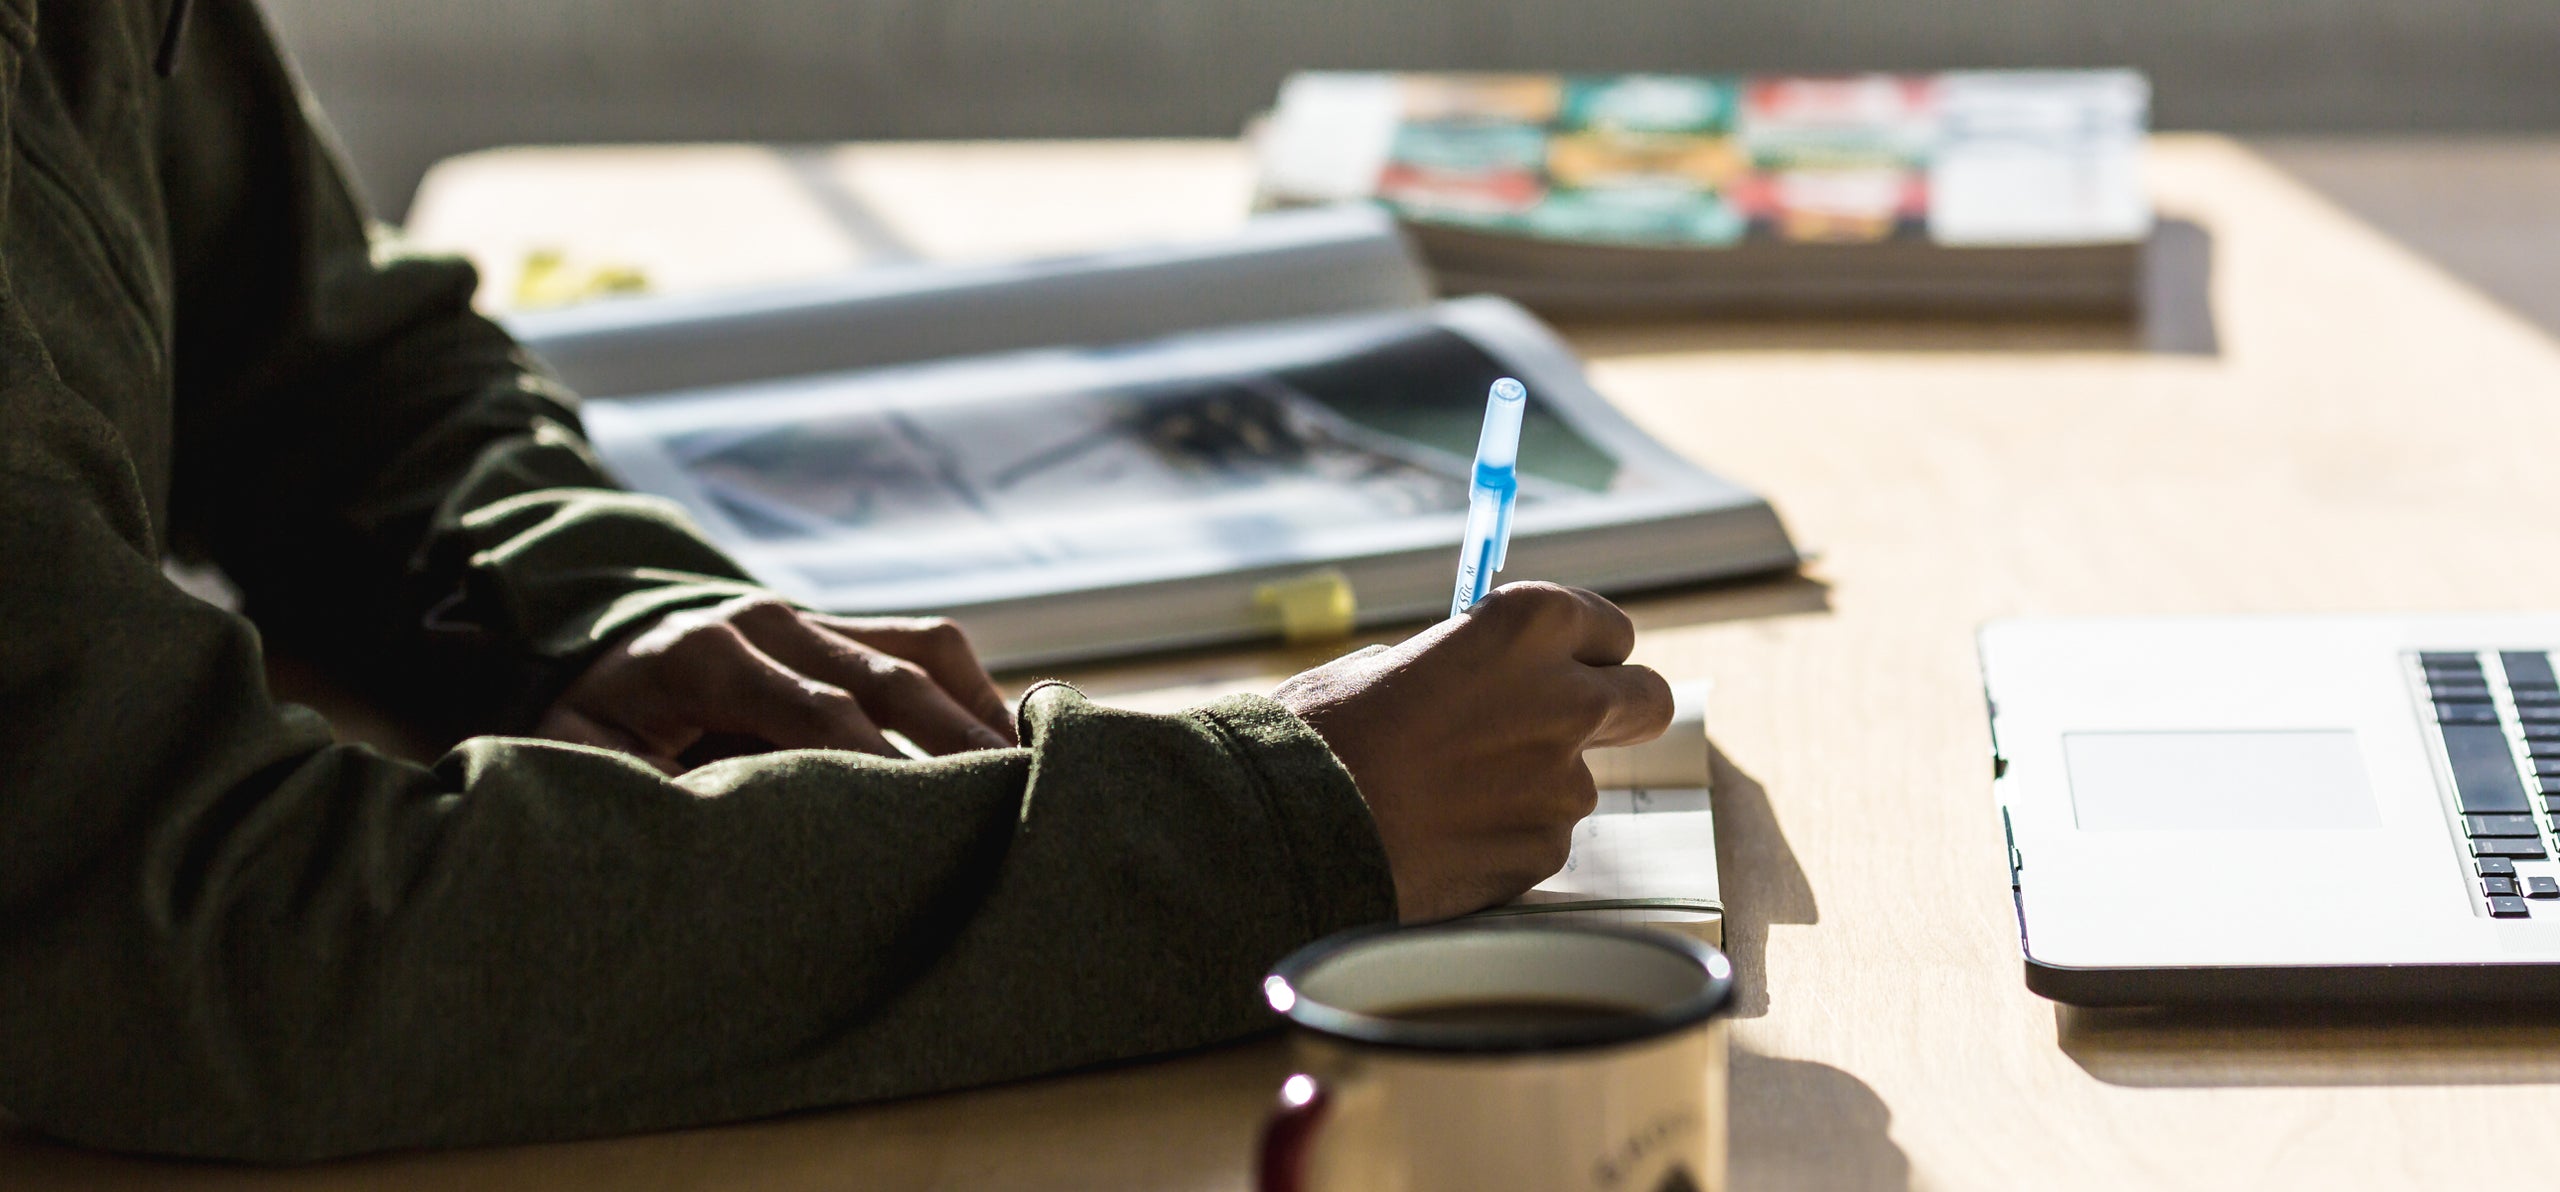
942	637
1657	691
759	609
1545	593
898	674
708	642
671	631
1514	607
1550	606
827	700
915	627
1614	617
1653	682
1638	681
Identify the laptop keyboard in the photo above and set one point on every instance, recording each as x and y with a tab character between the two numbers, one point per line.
2500	728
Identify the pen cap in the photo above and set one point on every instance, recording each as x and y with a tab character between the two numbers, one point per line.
1499	445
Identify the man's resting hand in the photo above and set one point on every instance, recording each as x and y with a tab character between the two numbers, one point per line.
1467	738
757	673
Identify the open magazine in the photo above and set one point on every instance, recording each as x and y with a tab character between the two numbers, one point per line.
1105	495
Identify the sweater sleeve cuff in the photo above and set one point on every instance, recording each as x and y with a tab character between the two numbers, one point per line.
1324	823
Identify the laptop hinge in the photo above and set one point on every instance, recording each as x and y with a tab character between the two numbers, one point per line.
2009	837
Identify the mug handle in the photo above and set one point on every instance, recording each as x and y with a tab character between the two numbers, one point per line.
1288	1135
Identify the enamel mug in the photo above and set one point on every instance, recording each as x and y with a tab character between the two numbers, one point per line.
1493	1058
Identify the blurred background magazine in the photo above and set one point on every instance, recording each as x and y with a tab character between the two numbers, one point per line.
1970	190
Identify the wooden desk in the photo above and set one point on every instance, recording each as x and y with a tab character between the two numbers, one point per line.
2365	434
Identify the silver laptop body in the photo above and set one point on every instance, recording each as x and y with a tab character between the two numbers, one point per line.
2280	808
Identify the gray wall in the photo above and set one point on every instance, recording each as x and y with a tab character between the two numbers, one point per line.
409	81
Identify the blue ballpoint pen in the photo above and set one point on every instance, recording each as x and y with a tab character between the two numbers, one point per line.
1491	492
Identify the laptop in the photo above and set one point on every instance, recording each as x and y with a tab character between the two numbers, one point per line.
2280	808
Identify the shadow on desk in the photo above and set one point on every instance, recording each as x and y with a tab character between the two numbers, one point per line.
1761	881
1799	1124
2296	1046
2174	316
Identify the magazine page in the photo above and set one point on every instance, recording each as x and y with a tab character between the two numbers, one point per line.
1289	265
958	483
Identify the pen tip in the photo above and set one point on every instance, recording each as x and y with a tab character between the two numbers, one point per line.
1509	389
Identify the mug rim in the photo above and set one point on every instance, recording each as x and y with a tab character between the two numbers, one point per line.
1375	1030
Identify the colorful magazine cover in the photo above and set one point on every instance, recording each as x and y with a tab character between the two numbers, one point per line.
1706	161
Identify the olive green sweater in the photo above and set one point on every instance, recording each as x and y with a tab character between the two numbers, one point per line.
222	934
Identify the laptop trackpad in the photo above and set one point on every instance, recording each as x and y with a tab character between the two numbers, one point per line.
2207	781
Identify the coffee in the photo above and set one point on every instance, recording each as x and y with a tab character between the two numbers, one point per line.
1510	1013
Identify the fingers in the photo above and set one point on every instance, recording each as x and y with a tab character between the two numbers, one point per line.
757	695
1543	811
893	692
697	673
907	699
942	649
1489	868
1638	705
1594	631
757	673
1604	634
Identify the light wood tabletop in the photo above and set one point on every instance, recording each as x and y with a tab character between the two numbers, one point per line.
2316	420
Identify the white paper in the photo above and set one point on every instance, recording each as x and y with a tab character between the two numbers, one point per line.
1329	136
1647	846
1646	855
2033	157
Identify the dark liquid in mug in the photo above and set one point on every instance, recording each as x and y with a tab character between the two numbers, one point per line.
1510	1012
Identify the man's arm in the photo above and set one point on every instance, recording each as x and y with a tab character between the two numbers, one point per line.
222	934
401	495
396	489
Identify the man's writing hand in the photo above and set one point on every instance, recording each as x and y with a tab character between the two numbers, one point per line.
1467	738
758	673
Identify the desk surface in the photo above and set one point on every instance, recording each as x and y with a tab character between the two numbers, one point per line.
2354	431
